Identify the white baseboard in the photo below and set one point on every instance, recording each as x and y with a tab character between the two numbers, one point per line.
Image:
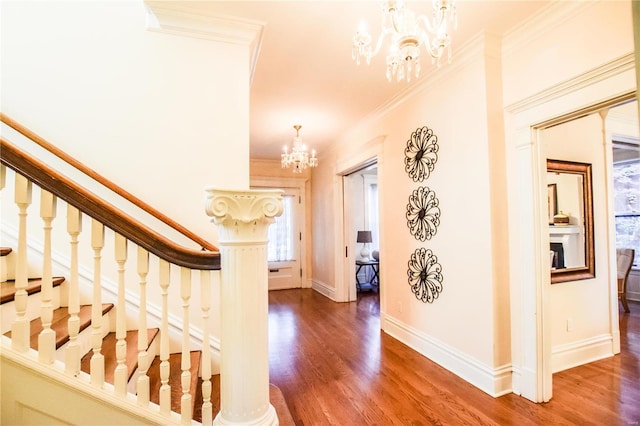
324	289
582	352
495	381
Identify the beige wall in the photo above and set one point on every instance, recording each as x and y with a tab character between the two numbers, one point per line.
462	180
569	41
584	303
128	102
464	104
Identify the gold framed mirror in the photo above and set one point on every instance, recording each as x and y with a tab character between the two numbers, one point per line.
570	209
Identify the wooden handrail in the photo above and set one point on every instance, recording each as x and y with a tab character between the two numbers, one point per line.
105	182
95	207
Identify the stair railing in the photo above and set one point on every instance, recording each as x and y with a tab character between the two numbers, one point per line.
168	255
37	139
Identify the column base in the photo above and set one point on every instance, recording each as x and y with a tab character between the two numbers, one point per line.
270	418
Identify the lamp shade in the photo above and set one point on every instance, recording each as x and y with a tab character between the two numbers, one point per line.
364	237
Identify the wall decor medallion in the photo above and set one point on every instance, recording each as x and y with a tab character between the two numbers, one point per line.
421	154
423	213
425	275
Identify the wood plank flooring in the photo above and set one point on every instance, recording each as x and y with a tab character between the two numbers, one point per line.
335	367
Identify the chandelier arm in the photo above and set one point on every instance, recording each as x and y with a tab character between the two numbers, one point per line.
427	24
438	50
394	21
380	41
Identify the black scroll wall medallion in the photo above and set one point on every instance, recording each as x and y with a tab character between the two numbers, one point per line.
423	213
425	275
421	154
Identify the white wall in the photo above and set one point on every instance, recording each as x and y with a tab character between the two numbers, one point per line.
149	111
552	66
460	324
163	116
580	309
464	103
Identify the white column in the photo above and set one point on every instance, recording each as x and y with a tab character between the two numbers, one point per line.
243	218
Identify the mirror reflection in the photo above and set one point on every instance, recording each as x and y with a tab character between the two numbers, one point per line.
570	221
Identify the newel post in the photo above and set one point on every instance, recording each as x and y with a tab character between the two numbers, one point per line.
243	219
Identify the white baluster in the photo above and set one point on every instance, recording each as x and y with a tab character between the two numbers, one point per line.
47	337
120	374
97	359
205	304
165	388
143	341
243	219
185	377
20	328
72	356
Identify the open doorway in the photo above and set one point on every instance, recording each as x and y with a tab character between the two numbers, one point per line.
357	189
362	229
622	122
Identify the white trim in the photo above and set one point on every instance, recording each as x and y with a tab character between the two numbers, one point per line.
552	16
476	48
582	352
188	21
496	381
369	153
579	82
300	184
54	374
530	313
324	289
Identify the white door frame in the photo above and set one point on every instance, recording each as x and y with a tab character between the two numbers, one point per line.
529	260
345	254
298	184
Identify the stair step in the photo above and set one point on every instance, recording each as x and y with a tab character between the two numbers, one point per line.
4	251
60	324
109	353
8	288
175	380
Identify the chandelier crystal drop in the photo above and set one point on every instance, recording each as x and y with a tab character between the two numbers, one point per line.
298	158
407	33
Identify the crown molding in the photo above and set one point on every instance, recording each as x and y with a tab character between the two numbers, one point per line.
181	20
554	15
586	79
481	46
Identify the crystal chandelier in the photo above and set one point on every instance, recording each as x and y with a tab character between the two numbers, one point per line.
407	33
298	158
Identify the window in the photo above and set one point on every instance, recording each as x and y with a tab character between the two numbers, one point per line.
281	233
626	183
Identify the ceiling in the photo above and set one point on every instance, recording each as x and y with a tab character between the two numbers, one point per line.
305	74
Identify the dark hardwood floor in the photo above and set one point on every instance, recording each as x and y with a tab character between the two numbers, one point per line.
335	367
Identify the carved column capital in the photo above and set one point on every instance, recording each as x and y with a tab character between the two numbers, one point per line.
243	216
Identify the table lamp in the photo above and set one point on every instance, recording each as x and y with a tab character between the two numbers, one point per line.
365	238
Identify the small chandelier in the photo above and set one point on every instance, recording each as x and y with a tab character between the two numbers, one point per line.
407	33
298	158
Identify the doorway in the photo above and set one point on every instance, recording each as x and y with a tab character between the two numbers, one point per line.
531	314
361	229
622	124
283	249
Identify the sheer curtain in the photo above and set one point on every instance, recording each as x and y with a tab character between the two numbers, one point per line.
280	247
372	212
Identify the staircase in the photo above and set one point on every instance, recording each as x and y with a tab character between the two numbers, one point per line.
122	334
60	326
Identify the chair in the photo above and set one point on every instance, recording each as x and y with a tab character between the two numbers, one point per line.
624	260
